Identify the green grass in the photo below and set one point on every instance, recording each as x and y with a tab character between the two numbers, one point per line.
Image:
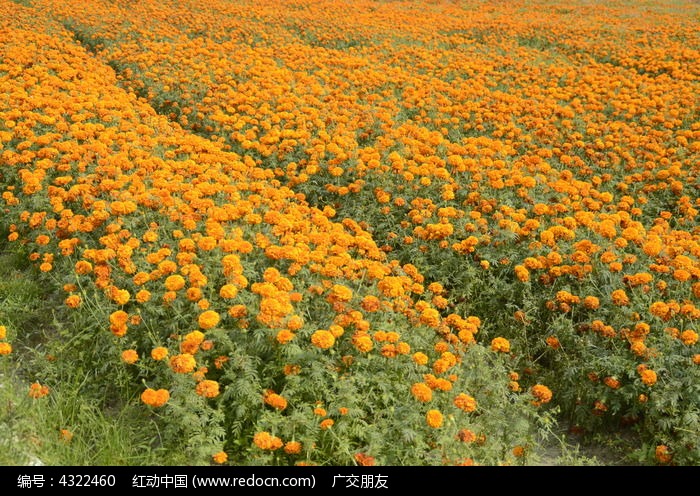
30	429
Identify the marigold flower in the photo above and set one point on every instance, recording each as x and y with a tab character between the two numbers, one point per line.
182	363
620	298
465	402
663	454
66	435
208	319
422	392
228	291
3	332
5	348
500	345
207	388
130	356
265	441
36	390
364	460
363	343
326	424
221	457
648	377
553	342
541	393
292	447
434	419
73	301
159	353
155	398
322	339
689	337
284	336
275	401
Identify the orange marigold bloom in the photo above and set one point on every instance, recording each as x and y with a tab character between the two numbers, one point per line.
220	457
326	423
208	319
696	358
73	301
689	337
542	394
228	291
420	358
154	398
500	345
284	336
5	348
465	402
292	448
363	343
275	401
182	363
322	339
434	419
663	454
3	332
130	356
364	460
207	388
422	392
648	377
553	342
159	353
265	441
36	391
174	282
620	298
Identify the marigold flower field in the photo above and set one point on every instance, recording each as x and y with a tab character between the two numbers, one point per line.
340	232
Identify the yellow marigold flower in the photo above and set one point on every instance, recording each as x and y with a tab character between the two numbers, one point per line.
221	457
434	419
420	358
542	394
228	291
265	441
209	319
326	424
3	332
5	348
363	343
129	356
159	353
143	296
207	388
500	345
195	337
322	339
154	398
36	391
522	273
292	448
465	402
422	392
182	363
